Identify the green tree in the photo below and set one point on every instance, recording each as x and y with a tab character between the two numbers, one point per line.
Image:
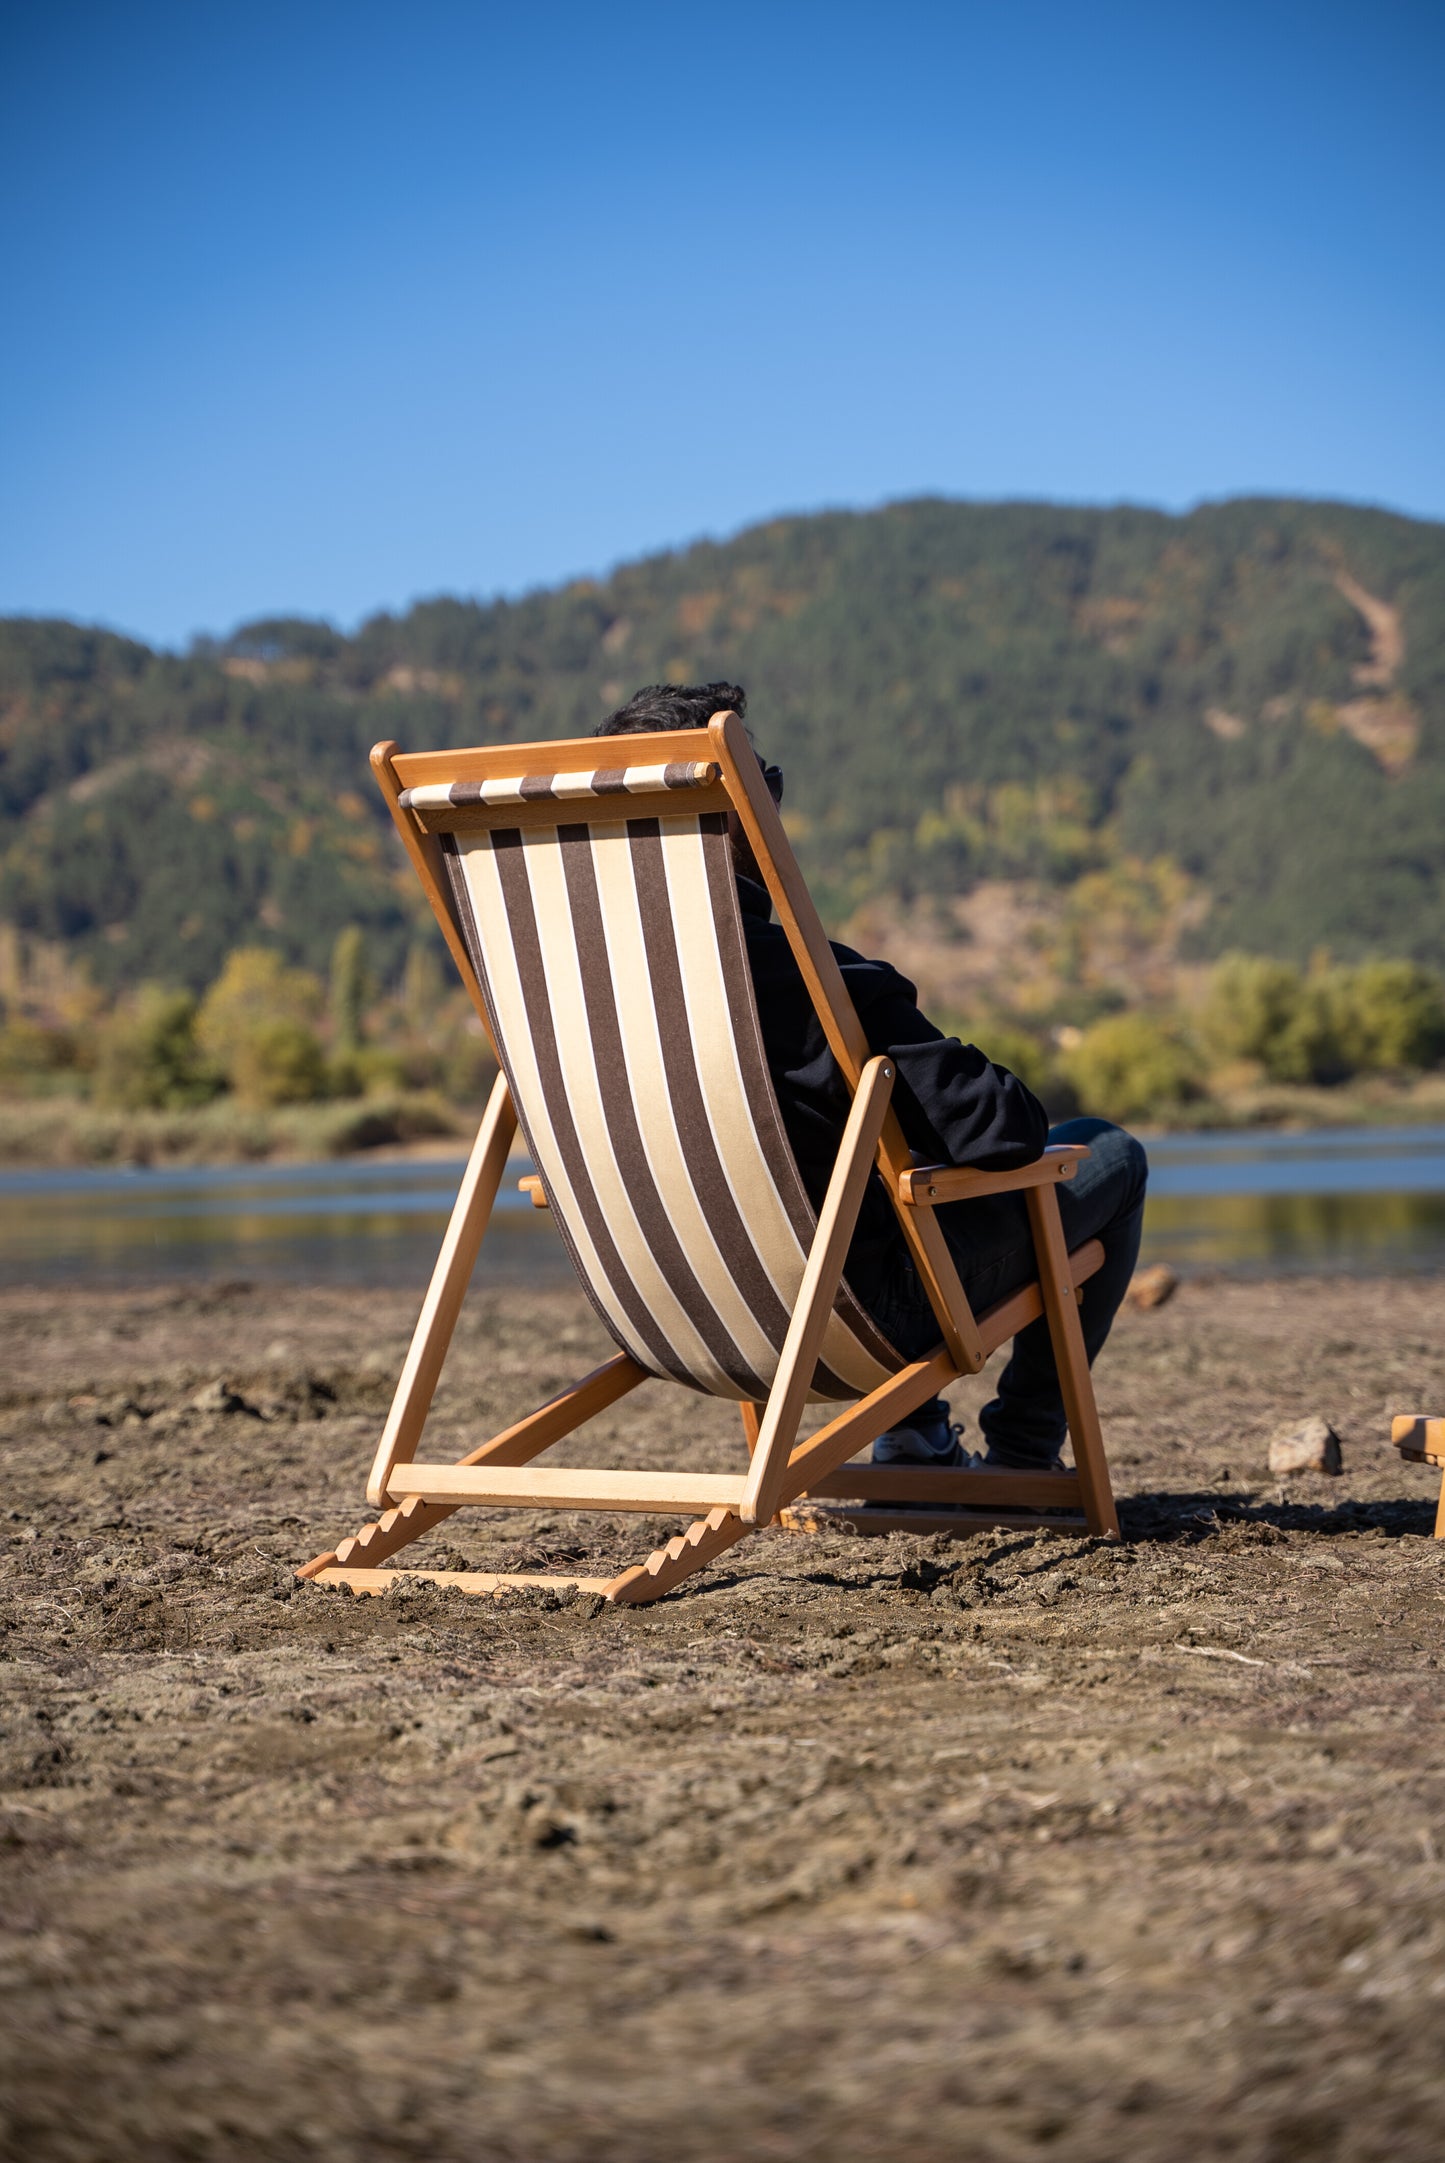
422	987
33	1055
1328	1023
257	1026
281	1062
1008	1045
1129	1066
1252	1006
1311	1047
350	989
148	1057
1274	1015
1392	1016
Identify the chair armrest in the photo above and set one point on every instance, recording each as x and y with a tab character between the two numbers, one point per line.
929	1184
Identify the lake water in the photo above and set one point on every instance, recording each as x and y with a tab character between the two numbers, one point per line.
1360	1198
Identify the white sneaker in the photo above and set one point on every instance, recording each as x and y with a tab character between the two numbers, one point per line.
937	1445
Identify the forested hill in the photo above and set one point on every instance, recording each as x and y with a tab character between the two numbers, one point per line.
1252	695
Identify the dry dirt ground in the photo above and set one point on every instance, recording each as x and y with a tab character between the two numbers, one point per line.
909	1849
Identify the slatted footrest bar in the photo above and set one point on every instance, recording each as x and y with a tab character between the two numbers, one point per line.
376	1581
662	1492
702	1542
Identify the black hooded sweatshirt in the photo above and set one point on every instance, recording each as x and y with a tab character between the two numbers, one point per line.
954	1105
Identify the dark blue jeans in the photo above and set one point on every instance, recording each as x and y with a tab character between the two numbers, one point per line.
993	1250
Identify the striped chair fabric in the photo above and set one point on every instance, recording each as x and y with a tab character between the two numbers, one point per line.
611	955
561	788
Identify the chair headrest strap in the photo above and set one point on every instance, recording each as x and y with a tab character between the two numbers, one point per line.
561	788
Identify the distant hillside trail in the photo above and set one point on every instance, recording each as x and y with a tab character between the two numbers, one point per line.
1387	637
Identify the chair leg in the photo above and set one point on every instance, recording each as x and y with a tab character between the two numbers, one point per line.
1421	1440
1075	1381
518	1445
824	1451
752	1420
804	1340
448	1288
702	1543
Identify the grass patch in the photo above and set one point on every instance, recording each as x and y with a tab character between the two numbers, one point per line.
64	1131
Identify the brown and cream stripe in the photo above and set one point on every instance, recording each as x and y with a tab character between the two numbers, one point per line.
612	958
561	788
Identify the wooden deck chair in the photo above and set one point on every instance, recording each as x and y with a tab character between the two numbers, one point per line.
593	915
1422	1441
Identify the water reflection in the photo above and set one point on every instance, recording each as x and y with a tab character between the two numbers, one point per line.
1367	1198
1243	1232
1345	1198
1342	1160
340	1223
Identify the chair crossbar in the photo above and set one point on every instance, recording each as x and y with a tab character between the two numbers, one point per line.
923	1484
997	1324
577	1490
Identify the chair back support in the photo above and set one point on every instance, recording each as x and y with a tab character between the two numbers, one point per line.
600	914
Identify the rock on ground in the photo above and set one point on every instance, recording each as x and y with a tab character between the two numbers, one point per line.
1153	1286
1312	1446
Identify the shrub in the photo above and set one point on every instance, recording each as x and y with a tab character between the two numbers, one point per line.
32	1056
1008	1045
147	1055
1282	1021
373	1070
468	1068
1128	1065
384	1072
280	1062
1392	1015
1310	1048
1323	1026
1251	1006
256	1024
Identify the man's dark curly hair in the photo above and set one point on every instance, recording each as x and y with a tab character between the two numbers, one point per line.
674	706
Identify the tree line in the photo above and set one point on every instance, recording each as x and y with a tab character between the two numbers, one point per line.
264	1033
1209	689
267	1034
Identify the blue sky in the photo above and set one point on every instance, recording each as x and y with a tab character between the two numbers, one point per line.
317	308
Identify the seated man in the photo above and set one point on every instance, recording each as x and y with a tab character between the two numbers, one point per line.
955	1107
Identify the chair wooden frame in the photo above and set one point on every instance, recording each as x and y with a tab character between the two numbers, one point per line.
783	1474
1422	1441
